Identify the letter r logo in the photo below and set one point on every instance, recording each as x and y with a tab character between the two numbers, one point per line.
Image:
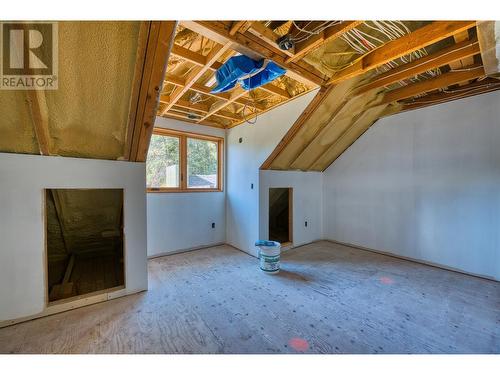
27	48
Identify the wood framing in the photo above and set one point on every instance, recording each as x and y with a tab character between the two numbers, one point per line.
159	43
253	46
444	57
476	88
428	85
183	162
331	33
423	37
196	73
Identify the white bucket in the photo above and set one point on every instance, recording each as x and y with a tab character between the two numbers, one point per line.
270	258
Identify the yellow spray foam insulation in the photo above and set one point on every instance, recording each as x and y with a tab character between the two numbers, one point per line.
88	113
16	128
348	137
88	216
329	126
323	114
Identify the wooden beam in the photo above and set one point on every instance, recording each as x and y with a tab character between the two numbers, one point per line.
40	118
442	81
177	116
420	38
460	37
235	95
240	26
273	89
178	81
196	73
250	45
332	33
444	57
269	36
187	54
160	40
476	88
142	44
199	107
304	116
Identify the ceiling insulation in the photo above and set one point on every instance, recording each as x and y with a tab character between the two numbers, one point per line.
340	110
88	113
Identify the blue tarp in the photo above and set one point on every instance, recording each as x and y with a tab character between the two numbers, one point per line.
232	71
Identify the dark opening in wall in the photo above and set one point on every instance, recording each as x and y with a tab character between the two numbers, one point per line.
84	236
280	214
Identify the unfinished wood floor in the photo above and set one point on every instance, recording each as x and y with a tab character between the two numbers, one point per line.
327	299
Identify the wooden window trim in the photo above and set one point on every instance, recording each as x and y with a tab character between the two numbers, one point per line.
183	136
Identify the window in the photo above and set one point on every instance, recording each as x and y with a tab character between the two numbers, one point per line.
173	155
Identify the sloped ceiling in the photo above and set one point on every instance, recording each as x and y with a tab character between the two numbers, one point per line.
374	72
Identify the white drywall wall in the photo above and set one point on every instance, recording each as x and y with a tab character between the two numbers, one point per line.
23	179
181	221
423	184
243	163
307	203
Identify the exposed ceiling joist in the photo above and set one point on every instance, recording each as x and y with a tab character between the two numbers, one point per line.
420	38
199	107
480	87
178	81
182	116
212	57
254	47
240	26
201	60
332	33
446	56
269	36
160	41
235	95
442	81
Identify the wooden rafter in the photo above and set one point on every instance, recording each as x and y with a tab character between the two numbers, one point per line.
476	88
196	74
420	38
160	35
269	36
235	95
199	107
40	119
240	26
178	81
254	47
314	42
442	81
444	57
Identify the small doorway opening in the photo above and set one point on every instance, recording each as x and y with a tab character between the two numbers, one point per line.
280	215
85	242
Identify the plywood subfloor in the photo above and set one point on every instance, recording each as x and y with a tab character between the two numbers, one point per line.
327	299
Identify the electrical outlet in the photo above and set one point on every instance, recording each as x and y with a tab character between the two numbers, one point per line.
251	186
240	140
213	225
305	224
